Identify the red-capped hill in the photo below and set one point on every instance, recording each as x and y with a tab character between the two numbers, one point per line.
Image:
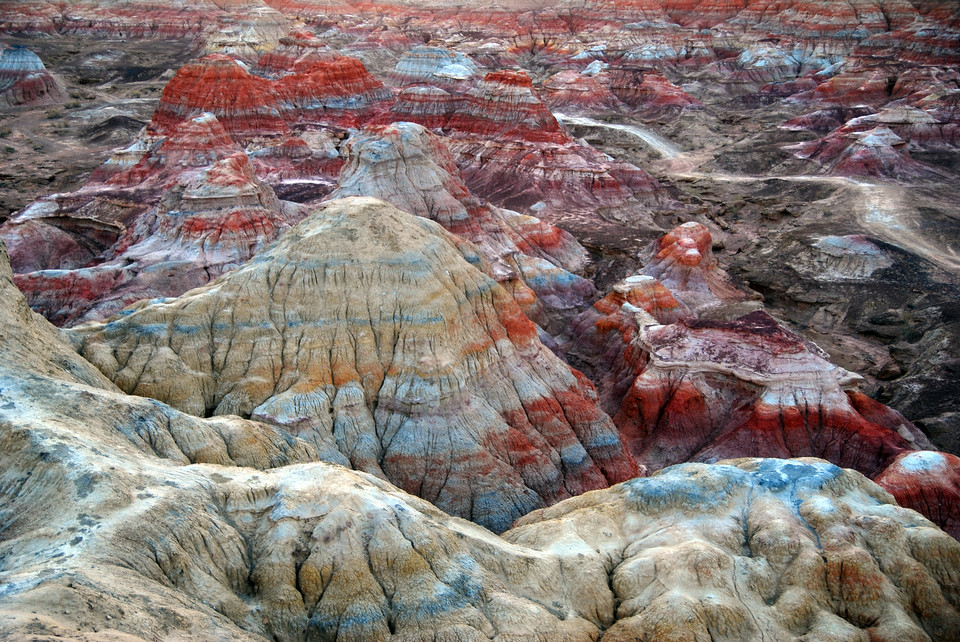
505	106
571	92
245	104
929	483
683	261
154	160
339	92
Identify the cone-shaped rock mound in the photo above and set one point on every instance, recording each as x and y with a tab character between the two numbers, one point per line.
370	324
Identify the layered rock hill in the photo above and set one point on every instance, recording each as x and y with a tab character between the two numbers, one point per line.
412	169
245	105
370	324
928	482
171	214
335	92
24	80
144	522
878	144
686	378
425	65
295	52
211	222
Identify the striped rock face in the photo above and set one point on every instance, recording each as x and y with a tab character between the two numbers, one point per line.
512	151
244	104
339	93
371	324
570	92
24	80
504	106
297	51
433	66
412	169
712	390
929	483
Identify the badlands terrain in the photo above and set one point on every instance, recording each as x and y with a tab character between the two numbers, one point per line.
532	320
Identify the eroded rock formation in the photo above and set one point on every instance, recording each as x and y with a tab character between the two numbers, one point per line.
24	80
371	324
412	169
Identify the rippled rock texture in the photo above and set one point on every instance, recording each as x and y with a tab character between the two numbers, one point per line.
371	324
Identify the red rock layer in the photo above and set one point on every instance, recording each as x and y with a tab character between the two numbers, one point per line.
24	80
929	483
296	52
713	390
340	93
244	104
504	107
649	92
429	106
212	220
683	261
512	151
852	151
604	334
295	160
105	18
570	92
155	161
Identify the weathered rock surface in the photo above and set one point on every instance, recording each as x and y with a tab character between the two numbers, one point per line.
712	390
929	483
212	221
141	524
683	262
571	92
684	388
167	214
368	323
24	80
412	169
512	151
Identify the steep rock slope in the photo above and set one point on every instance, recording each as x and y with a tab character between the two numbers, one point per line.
368	323
412	169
